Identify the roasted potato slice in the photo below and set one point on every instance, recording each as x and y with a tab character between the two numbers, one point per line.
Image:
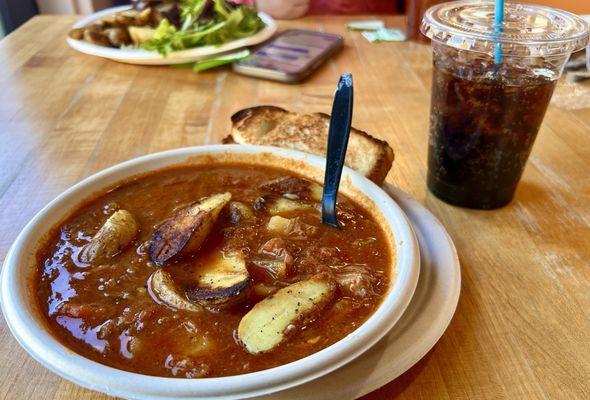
96	37
140	34
276	205
96	26
271	320
185	231
164	291
295	188
143	18
222	282
118	36
165	10
76	33
115	234
126	18
109	20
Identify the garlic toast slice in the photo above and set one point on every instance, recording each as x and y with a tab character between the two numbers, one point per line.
117	232
162	287
295	188
185	231
275	126
269	322
222	282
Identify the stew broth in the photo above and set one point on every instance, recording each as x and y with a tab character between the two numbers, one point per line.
106	311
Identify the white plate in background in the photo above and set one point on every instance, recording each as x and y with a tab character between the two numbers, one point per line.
144	57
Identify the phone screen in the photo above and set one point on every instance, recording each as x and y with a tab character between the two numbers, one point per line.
294	51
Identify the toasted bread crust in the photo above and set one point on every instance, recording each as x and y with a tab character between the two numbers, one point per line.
369	156
241	115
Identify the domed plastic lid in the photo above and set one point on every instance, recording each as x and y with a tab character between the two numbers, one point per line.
527	30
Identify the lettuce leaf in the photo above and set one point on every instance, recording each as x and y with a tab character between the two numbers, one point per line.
205	22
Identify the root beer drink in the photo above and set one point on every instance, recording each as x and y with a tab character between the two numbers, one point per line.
482	130
485	115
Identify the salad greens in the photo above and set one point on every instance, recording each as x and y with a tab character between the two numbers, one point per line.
205	22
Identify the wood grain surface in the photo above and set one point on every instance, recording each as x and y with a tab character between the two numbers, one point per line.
522	327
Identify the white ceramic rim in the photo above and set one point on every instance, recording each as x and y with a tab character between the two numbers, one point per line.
140	56
42	346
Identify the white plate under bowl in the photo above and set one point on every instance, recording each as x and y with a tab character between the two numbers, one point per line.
417	331
32	333
144	57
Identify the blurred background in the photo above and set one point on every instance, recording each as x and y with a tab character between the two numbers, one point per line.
14	13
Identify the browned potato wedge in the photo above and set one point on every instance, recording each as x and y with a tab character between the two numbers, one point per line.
140	34
96	26
126	18
143	17
270	321
223	282
118	36
118	231
295	188
95	37
164	291
109	20
185	231
165	10
77	33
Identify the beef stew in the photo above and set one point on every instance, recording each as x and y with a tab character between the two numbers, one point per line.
210	271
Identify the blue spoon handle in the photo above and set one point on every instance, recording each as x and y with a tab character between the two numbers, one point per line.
338	135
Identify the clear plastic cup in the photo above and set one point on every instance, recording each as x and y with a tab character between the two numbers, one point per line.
485	115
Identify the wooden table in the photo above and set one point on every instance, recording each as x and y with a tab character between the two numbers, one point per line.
522	328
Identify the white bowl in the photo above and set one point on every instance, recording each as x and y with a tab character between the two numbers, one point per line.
144	57
27	325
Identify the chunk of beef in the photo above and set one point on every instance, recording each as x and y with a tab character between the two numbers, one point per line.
355	281
277	260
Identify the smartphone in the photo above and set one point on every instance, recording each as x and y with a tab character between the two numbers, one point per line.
291	56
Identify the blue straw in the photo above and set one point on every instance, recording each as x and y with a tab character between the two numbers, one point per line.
498	19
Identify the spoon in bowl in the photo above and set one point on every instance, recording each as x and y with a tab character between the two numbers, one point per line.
338	135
